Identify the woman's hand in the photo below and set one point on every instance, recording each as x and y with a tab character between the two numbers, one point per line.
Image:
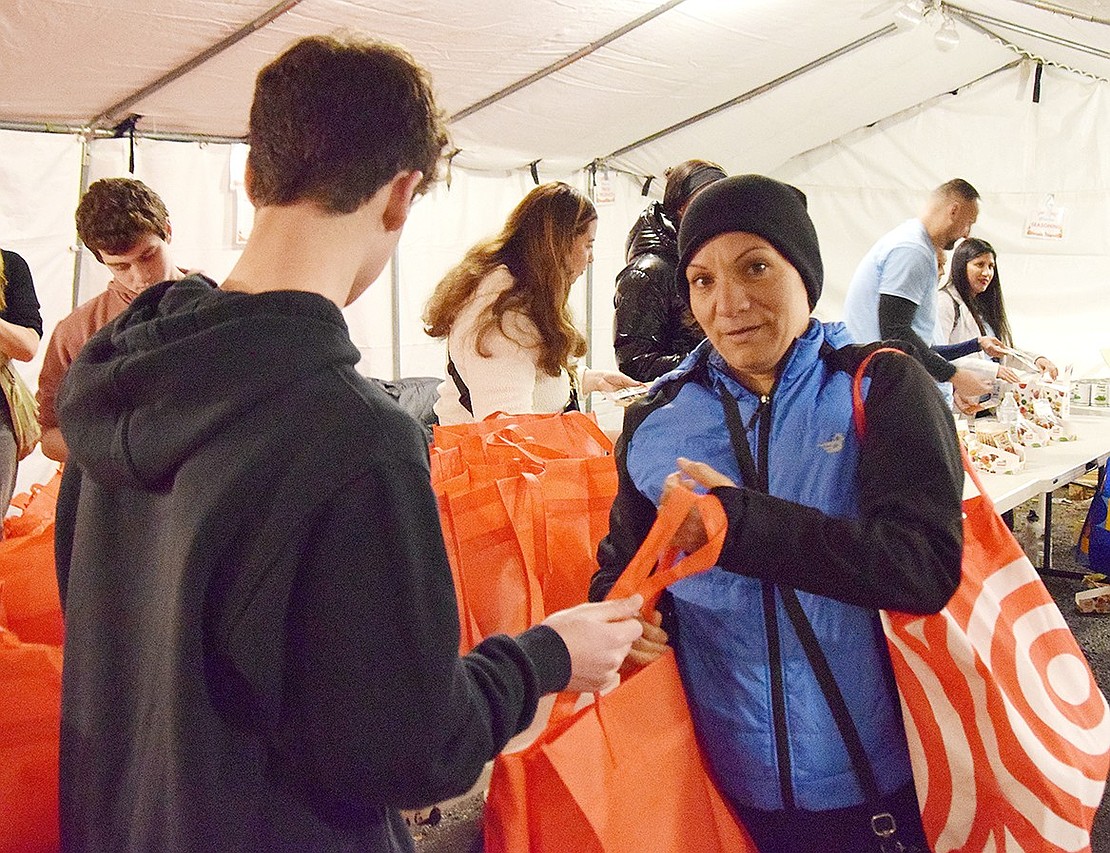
19	343
969	384
992	346
966	406
689	476
650	646
1008	374
1047	366
607	380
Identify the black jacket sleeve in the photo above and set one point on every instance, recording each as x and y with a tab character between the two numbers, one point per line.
951	351
904	551
651	331
896	324
379	707
630	518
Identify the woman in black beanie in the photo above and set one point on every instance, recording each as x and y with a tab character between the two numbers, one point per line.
825	529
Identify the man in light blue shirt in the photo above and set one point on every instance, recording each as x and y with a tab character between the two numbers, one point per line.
893	293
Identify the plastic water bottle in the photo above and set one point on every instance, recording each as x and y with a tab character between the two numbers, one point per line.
1008	410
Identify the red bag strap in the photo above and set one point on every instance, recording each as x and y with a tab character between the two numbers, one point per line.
858	415
640	575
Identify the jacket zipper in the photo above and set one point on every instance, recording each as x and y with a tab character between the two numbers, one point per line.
762	415
755	476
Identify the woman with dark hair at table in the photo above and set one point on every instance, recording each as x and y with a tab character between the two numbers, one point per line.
971	305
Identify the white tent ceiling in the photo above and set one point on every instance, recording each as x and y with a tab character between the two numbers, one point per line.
565	82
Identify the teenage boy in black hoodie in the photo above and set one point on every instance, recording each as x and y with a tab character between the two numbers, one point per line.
261	639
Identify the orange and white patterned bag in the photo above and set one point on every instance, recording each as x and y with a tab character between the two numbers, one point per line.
1009	734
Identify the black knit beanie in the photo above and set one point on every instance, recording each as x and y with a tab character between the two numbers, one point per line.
756	205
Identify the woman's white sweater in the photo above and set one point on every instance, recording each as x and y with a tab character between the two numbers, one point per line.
508	378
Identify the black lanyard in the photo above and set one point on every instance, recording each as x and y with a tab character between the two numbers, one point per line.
738	436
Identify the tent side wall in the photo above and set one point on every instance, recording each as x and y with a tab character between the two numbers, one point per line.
1018	154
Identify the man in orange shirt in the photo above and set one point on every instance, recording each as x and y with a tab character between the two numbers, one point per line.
125	225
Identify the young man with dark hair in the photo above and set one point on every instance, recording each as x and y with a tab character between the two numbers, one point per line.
126	226
262	636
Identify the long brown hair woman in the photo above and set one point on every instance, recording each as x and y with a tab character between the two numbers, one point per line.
511	341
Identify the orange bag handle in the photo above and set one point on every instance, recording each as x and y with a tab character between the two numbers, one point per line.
576	420
588	424
656	550
511	436
640	575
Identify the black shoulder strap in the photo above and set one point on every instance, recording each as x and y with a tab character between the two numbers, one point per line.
955	307
464	392
738	436
882	821
833	695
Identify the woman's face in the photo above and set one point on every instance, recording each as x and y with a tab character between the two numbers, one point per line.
980	272
582	251
750	301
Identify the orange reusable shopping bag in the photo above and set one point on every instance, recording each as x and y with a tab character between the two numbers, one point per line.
562	513
37	507
568	434
495	573
29	587
29	603
524	502
1009	734
623	774
30	713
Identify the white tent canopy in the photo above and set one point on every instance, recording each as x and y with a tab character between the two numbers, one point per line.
863	115
553	80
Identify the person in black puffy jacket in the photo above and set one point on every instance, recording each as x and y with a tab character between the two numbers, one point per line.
652	329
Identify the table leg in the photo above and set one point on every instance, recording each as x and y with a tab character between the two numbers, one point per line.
1046	559
1046	562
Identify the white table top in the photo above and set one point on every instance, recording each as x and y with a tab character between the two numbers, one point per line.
1047	468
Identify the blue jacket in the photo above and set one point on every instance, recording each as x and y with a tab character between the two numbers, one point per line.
760	714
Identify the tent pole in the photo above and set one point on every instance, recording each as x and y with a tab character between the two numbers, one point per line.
78	247
83	130
591	192
1057	9
979	21
105	117
759	90
564	62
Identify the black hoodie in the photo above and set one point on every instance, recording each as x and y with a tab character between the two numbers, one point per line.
261	630
652	327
